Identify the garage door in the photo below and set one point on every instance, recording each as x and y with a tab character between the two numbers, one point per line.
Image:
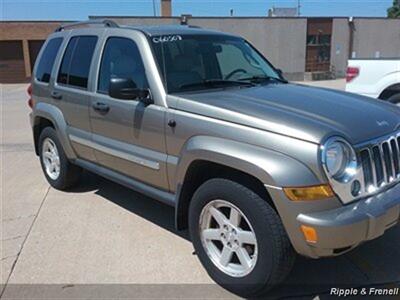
12	68
34	48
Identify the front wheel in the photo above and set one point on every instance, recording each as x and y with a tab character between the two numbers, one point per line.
239	238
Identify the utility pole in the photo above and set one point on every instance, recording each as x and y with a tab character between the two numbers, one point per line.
298	8
154	8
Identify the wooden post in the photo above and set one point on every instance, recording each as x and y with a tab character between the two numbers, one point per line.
27	58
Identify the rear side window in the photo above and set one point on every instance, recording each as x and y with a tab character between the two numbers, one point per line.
75	66
46	62
66	62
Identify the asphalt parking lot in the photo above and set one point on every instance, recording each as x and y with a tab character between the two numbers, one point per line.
102	233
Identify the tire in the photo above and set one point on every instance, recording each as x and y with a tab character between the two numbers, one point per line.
68	174
275	256
395	99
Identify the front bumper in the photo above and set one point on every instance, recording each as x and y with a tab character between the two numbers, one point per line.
344	228
340	229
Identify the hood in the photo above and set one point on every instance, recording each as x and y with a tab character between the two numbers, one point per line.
299	111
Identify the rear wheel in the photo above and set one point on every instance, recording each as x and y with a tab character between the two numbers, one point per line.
59	172
239	238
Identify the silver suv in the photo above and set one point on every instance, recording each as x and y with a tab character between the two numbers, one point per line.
257	168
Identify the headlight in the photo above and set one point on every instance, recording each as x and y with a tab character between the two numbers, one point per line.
339	159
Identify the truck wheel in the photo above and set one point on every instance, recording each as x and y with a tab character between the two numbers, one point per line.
395	99
239	238
59	172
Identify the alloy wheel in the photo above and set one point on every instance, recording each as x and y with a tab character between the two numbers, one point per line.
51	158
228	238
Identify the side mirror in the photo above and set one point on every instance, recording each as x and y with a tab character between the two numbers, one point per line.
126	89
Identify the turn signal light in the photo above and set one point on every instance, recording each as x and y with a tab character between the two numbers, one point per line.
317	192
309	233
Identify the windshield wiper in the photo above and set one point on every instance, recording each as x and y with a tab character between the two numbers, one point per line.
216	83
262	78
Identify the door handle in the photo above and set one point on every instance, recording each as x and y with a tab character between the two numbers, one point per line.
56	95
101	107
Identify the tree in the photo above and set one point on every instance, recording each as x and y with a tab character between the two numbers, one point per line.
394	11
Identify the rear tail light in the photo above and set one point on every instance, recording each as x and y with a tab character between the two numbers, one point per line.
351	73
30	100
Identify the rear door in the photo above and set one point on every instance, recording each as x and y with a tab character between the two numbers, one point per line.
71	92
128	137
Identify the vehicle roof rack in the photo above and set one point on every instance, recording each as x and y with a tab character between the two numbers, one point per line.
105	23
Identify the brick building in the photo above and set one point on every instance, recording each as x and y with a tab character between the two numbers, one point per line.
20	43
299	46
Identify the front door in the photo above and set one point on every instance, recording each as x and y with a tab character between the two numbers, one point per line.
128	136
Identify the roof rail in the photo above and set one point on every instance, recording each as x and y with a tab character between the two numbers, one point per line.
106	23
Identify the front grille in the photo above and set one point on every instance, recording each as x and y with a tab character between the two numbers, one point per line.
381	162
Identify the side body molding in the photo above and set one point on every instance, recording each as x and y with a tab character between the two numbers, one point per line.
54	114
270	167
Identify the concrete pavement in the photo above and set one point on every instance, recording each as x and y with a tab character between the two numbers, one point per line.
102	233
338	84
23	188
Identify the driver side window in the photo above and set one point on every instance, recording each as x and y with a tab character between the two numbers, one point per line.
121	59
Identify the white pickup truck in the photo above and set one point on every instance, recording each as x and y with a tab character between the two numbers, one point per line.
378	78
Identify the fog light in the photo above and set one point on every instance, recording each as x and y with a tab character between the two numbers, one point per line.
309	233
355	188
317	192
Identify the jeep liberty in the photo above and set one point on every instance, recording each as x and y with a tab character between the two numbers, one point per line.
257	168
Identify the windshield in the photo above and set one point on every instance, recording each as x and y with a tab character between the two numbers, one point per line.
195	62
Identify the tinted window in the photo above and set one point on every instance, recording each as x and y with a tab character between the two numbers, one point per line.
121	59
76	62
190	62
66	61
46	63
232	58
